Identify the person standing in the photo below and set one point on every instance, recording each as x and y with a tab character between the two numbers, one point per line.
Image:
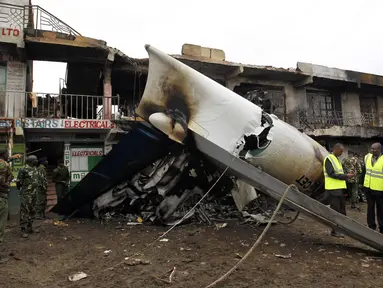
352	165
41	203
5	180
362	195
61	179
27	183
373	185
335	182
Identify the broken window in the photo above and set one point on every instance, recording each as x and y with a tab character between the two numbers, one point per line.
324	108
368	110
270	98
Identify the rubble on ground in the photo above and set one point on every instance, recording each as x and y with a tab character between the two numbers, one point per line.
168	189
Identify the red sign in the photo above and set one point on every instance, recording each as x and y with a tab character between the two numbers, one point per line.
88	124
10	32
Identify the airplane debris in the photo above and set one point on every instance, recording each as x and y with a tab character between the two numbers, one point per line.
136	261
60	223
78	276
185	249
166	190
219	226
172	274
288	256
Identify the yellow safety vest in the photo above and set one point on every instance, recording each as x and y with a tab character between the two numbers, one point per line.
331	183
374	174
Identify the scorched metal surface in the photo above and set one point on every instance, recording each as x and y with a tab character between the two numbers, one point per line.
135	151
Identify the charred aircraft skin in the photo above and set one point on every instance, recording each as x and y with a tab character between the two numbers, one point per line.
178	98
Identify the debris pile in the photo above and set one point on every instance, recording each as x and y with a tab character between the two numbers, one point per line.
168	189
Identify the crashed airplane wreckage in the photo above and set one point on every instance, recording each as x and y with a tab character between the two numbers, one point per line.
201	125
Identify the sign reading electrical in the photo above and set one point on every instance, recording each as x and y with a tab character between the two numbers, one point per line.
67	124
87	153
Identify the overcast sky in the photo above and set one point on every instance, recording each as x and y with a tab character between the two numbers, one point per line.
338	33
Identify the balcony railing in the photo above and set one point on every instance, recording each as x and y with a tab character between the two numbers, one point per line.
12	16
313	120
49	105
32	17
43	20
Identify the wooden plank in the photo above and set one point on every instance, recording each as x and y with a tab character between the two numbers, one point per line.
295	199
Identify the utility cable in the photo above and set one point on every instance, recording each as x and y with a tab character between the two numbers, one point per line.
223	277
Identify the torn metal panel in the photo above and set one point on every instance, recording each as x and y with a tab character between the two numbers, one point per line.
113	198
258	218
167	189
135	151
243	194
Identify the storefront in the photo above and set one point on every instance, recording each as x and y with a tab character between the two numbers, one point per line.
80	143
82	159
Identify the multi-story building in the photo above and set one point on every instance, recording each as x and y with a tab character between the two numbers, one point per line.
329	104
76	122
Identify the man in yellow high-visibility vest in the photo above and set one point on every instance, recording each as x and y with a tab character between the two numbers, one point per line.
373	185
335	182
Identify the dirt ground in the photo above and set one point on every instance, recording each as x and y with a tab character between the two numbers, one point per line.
200	254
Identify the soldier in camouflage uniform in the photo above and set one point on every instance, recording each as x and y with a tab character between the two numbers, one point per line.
362	196
41	204
61	179
351	164
27	182
5	180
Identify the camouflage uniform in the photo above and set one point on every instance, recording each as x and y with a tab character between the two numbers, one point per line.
5	179
28	181
41	202
352	165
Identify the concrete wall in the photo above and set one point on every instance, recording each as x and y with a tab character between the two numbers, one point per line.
13	103
204	52
11	31
16	85
344	131
296	100
351	109
380	109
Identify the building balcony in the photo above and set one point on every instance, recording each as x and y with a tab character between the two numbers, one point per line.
59	106
339	123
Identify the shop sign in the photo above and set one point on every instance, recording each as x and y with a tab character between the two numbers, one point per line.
78	176
10	32
87	152
5	124
67	155
67	124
